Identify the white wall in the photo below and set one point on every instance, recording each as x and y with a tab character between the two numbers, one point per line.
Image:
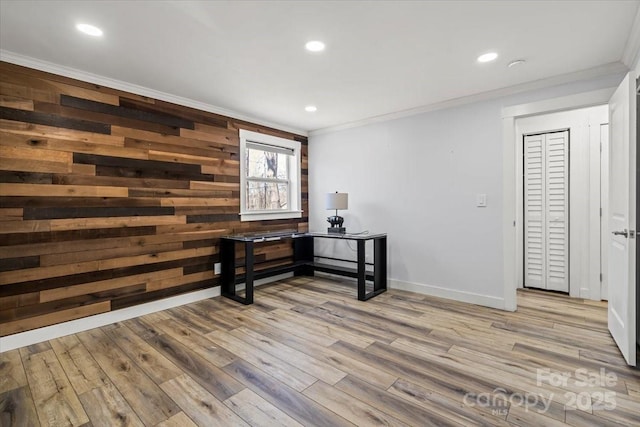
416	178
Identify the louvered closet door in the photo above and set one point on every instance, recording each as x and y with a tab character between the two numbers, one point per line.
546	192
557	212
534	210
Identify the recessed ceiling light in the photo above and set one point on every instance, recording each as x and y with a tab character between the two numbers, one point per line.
314	46
487	57
516	62
89	29
310	108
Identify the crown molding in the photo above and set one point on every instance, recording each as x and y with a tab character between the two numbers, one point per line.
50	67
600	71
631	54
563	103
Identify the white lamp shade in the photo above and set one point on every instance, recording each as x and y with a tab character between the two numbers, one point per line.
338	201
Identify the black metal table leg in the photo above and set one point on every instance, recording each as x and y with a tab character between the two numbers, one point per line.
303	253
228	271
380	264
379	269
248	271
361	271
228	268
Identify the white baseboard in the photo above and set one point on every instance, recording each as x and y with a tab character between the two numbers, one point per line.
436	291
22	339
266	281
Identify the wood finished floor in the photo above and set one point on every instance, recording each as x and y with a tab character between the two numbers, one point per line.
308	353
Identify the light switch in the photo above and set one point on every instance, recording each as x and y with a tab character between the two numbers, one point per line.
481	200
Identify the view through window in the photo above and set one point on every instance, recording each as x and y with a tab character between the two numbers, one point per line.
268	184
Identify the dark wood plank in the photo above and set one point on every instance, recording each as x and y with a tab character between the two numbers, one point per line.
99	117
136	164
125	111
54	120
46	201
188	114
95	212
10	264
8	176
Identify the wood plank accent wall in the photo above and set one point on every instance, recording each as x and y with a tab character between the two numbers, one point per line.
110	199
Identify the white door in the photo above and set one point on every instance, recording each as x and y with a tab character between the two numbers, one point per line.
546	190
622	218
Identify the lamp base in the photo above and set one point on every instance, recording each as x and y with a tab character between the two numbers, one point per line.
336	230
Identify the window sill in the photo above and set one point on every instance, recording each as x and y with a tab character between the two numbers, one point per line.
261	216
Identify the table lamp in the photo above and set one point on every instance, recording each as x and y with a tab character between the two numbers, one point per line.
336	201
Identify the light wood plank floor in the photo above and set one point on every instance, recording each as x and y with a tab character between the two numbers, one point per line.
308	353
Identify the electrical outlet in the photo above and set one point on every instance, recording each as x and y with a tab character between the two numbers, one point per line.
216	268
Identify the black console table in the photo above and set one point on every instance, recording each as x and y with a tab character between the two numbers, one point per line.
303	261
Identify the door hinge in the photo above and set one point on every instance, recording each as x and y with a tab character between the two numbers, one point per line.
600	212
600	277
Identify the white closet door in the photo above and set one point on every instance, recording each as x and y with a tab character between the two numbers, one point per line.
546	209
534	211
557	211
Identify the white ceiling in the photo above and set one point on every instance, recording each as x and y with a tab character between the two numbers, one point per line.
381	57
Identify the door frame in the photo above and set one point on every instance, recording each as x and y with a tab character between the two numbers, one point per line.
604	216
509	176
637	75
583	214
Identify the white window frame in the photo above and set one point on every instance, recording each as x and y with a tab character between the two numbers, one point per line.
249	138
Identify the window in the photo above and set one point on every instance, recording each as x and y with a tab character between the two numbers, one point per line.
269	177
